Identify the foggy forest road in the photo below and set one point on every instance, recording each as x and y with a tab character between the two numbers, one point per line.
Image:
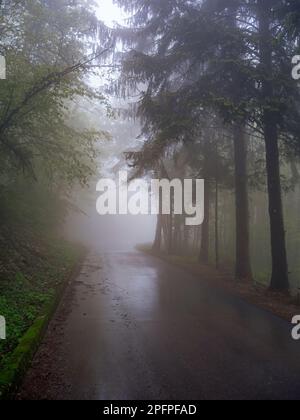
134	327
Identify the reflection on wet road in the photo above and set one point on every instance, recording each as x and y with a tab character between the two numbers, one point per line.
134	327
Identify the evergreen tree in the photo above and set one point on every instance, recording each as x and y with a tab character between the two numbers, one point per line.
234	60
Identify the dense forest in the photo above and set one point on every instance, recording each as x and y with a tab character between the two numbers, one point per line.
218	100
180	89
48	145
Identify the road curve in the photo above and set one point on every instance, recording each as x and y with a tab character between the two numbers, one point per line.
134	327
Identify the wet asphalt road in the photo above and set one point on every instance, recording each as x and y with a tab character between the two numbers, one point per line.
134	327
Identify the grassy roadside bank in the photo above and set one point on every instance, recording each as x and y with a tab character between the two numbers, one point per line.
32	286
281	305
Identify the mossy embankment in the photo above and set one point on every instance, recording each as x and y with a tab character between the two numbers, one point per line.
34	269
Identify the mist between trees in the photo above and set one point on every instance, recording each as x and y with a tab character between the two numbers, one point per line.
209	81
157	197
218	99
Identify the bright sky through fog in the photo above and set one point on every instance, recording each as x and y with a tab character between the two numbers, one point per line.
110	13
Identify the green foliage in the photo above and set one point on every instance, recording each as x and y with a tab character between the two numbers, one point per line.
46	65
24	296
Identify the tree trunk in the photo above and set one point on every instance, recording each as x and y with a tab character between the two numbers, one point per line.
165	230
158	235
186	236
170	234
177	241
204	252
157	245
279	280
243	265
243	269
217	224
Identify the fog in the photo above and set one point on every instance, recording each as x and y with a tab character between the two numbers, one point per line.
110	233
110	13
188	111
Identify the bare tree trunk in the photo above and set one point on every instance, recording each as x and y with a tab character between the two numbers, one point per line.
217	224
170	235
279	280
243	265
243	269
157	245
158	235
185	239
195	237
204	252
165	229
177	242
